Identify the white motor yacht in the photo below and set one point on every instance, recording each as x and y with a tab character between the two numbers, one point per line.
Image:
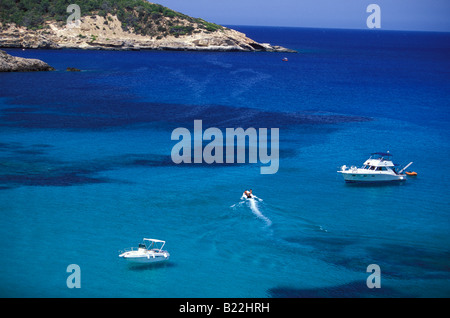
378	168
149	251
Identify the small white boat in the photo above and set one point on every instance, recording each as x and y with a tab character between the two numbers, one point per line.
244	196
378	168
149	251
247	196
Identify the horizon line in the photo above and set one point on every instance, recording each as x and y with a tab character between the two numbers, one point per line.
333	28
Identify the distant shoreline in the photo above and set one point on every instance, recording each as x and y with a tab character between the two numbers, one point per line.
106	33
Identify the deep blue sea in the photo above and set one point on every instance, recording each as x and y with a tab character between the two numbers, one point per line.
86	171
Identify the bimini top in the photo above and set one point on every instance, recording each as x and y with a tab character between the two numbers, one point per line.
153	240
154	245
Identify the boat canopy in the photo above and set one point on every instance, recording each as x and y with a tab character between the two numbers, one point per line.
153	240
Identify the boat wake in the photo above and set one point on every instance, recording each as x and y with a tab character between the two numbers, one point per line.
253	204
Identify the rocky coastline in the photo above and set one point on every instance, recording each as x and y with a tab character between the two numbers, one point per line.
106	33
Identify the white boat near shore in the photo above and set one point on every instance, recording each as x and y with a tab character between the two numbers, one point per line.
378	168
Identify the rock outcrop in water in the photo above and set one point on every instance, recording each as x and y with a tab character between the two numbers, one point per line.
131	25
9	63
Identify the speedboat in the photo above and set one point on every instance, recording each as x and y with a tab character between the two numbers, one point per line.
149	251
378	168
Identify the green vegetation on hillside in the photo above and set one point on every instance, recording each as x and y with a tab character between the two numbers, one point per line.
140	15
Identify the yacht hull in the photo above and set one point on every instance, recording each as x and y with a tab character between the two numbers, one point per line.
371	177
145	259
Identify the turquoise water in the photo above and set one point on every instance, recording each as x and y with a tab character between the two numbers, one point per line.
85	170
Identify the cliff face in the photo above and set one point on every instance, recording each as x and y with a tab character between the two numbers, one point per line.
97	32
10	63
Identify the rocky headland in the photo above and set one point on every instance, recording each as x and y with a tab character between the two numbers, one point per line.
131	27
10	63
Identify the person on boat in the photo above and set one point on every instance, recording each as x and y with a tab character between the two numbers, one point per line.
248	193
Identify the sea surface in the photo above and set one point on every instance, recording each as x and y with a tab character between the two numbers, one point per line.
86	169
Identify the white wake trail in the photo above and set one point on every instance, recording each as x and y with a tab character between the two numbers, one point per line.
253	204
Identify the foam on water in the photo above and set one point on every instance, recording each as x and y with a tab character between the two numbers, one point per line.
252	204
